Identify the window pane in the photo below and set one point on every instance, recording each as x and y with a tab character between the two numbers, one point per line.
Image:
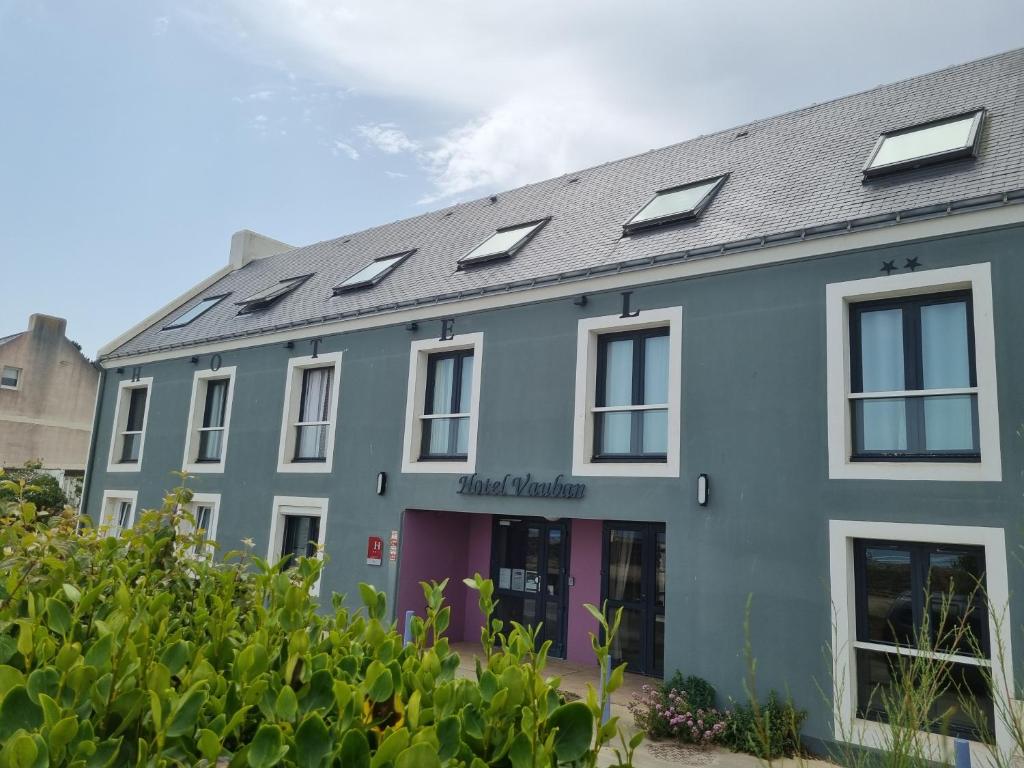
655	435
444	373
656	370
124	514
889	594
439	438
625	565
956	583
216	401
209	445
130	448
316	393
883	424
189	315
944	345
500	242
300	537
618	374
371	270
881	350
10	376
628	645
616	430
466	388
136	409
675	202
311	442
949	423
462	439
924	142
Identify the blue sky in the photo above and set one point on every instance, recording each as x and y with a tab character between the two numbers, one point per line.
135	137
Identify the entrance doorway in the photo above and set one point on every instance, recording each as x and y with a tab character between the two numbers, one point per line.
633	578
529	567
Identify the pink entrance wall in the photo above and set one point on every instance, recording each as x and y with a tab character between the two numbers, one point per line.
444	545
585	537
453	545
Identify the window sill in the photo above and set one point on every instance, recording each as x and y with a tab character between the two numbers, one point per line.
440	466
321	466
951	470
626	468
202	466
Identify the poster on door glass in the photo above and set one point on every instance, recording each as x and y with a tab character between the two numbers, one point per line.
518	579
504	578
532	581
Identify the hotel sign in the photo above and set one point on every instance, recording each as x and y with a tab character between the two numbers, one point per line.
522	486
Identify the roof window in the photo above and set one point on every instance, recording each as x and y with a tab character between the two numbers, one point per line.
373	272
934	142
195	312
504	243
270	295
675	204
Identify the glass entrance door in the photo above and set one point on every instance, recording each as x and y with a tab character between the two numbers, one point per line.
633	576
529	566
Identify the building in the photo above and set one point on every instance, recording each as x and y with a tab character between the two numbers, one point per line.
779	360
47	396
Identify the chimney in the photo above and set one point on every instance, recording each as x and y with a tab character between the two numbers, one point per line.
247	246
47	325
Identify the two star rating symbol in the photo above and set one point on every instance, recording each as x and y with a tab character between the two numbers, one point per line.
890	266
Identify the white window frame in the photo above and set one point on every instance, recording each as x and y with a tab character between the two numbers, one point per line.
419	355
20	371
842	535
196	408
589	332
838	297
211	500
289	416
124	389
312	507
108	510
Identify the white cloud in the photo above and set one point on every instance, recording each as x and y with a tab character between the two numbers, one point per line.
387	137
341	148
396	175
160	25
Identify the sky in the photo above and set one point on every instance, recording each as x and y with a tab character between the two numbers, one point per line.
137	135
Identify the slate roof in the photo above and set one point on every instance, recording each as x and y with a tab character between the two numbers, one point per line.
12	337
790	175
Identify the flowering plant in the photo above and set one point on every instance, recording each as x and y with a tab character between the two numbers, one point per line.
661	712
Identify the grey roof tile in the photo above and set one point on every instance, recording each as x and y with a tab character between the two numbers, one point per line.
794	171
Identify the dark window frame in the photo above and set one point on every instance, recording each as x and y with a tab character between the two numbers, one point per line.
912	376
400	258
176	322
135	434
286	286
427	425
631	226
537	224
206	428
968	150
302	407
639	339
311	544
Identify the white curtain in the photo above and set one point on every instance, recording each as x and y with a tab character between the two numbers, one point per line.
315	407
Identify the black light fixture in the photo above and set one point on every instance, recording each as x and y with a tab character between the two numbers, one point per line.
289	345
703	489
581	300
194	360
413	326
382	483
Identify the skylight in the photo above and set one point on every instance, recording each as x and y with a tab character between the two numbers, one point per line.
675	204
373	272
269	295
194	312
503	243
934	142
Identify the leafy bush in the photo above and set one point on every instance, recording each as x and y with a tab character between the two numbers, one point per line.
131	651
29	483
769	730
699	692
672	711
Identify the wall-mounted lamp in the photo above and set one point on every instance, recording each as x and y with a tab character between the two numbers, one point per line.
703	489
120	370
289	345
413	326
580	301
382	483
194	360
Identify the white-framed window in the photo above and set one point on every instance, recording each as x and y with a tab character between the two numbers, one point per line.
875	571
206	441
205	509
310	413
628	395
912	377
298	528
443	404
131	413
117	511
10	377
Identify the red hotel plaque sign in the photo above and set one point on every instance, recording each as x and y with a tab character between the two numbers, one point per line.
374	550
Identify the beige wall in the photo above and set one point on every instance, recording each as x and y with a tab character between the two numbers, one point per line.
49	416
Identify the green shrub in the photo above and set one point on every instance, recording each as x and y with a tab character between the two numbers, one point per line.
699	692
680	712
130	651
768	731
29	483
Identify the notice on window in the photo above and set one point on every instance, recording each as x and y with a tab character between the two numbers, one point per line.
518	580
532	581
504	578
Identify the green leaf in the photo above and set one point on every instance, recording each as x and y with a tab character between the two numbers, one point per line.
98	654
521	753
62	734
267	747
72	592
9	677
19	711
355	750
418	756
575	724
287	705
20	752
186	711
58	617
43	680
390	748
313	742
596	613
615	679
382	687
175	656
449	736
209	745
319	693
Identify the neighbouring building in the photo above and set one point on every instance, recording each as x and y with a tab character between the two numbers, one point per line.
780	360
47	396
